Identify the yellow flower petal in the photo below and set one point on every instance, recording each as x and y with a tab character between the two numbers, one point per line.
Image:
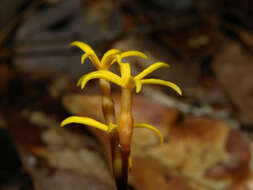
125	71
138	85
89	51
103	74
85	121
129	54
133	53
152	128
108	57
79	81
162	82
84	56
151	69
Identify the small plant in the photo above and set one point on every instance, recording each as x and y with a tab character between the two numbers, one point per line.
119	130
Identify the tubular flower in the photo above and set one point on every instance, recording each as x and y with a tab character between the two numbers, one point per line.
126	80
109	57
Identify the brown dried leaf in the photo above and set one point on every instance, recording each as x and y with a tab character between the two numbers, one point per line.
233	68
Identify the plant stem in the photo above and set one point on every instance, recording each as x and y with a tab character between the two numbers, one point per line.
107	101
125	131
109	116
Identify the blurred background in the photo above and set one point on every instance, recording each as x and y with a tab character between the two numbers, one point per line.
208	131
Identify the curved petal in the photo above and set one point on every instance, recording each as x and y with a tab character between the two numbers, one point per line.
125	71
107	75
79	81
108	57
162	82
89	51
133	53
85	121
84	56
151	69
152	128
129	54
138	85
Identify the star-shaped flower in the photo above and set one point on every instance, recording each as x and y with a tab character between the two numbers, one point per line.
109	57
106	128
109	128
126	80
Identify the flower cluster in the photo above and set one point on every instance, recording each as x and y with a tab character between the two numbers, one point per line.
125	80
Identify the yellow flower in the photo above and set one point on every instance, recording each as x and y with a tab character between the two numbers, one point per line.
106	128
89	122
109	57
126	80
